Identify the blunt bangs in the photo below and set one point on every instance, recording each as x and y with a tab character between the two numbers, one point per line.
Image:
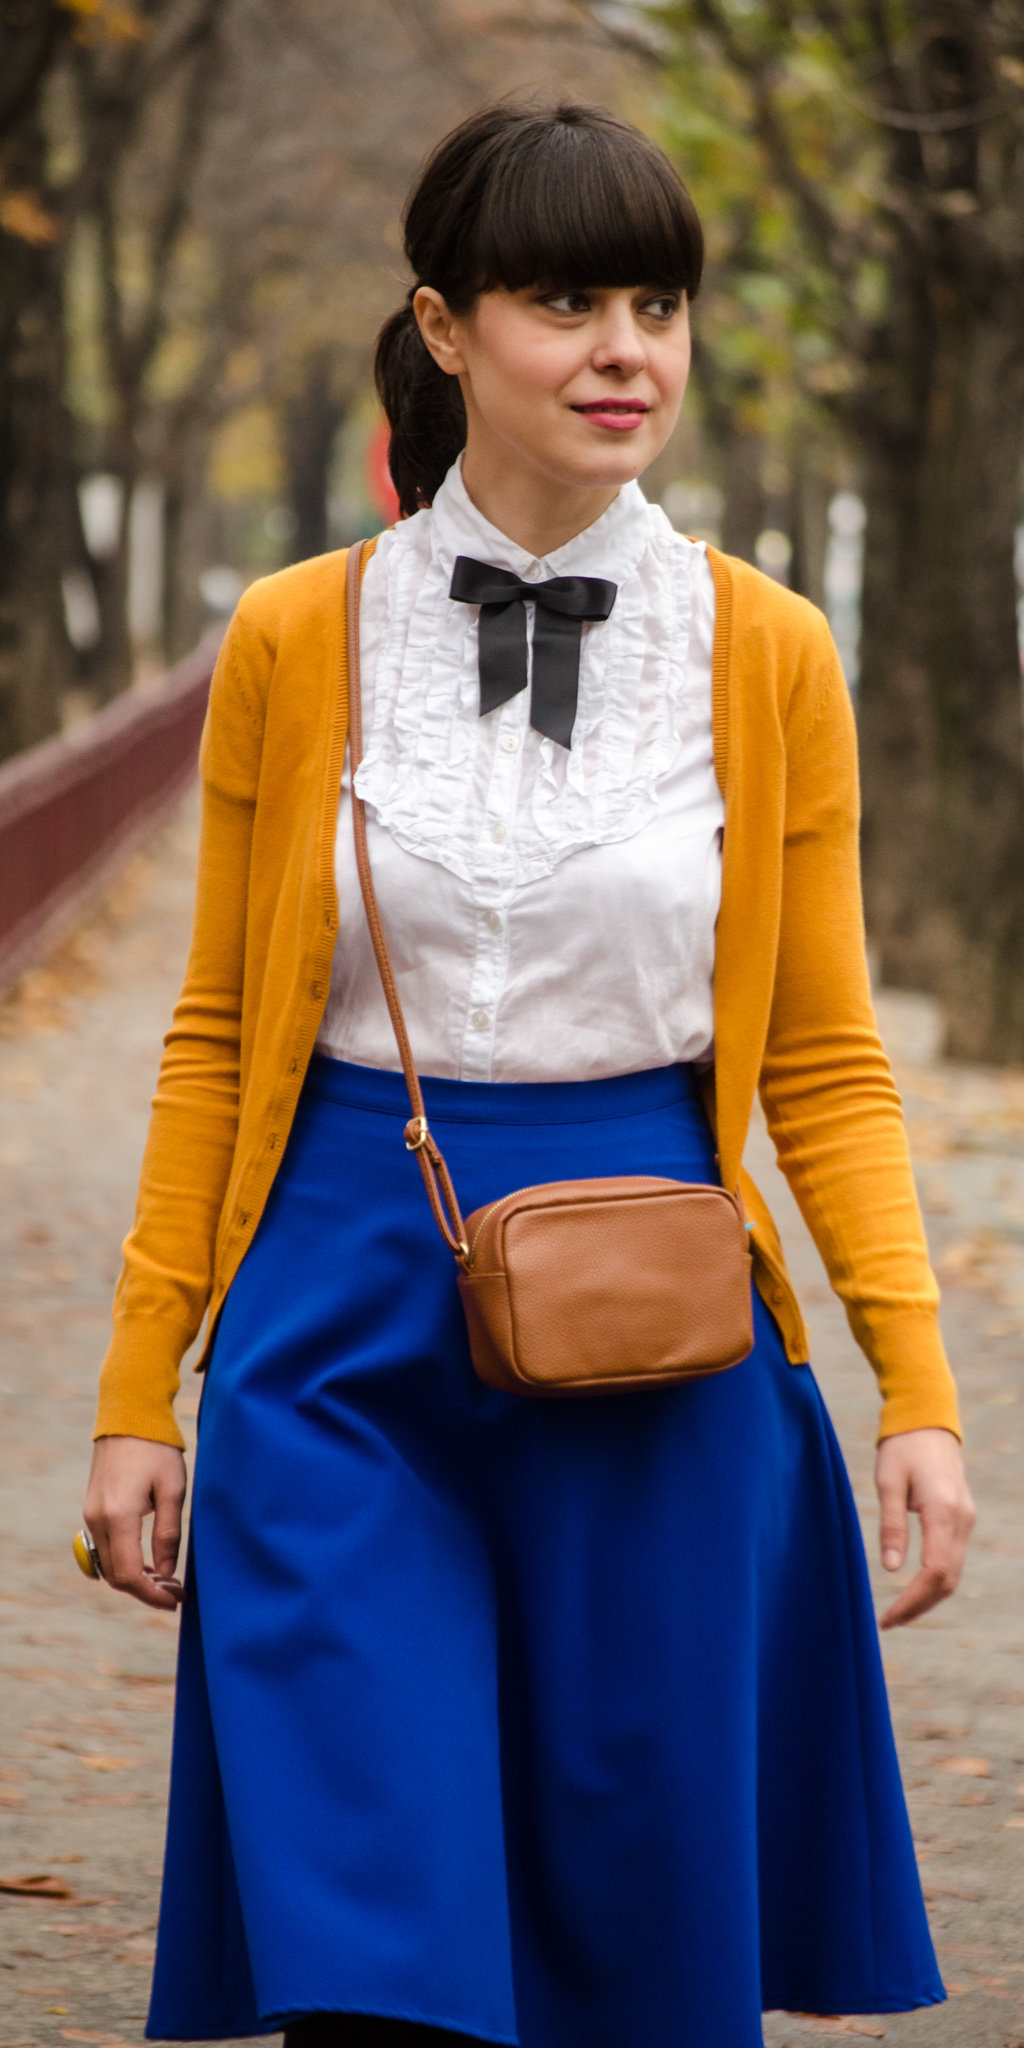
575	198
564	198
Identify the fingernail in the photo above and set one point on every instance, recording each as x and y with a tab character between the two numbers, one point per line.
890	1559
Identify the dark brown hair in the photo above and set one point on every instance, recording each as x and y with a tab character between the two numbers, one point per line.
567	197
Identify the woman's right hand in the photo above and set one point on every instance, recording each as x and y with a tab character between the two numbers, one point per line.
131	1478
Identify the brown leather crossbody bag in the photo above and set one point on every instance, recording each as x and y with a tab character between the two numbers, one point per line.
577	1286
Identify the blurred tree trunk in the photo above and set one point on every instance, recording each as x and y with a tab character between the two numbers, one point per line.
119	60
810	525
942	735
192	541
894	189
111	664
726	401
181	603
134	317
36	486
743	512
311	422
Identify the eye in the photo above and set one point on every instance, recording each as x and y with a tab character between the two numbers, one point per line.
664	307
567	302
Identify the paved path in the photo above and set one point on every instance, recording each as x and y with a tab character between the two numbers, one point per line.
86	1678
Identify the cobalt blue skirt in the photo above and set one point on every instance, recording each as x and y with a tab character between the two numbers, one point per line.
560	1723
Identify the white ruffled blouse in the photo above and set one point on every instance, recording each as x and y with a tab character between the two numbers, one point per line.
550	914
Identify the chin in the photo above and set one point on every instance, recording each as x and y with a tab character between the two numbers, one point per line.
606	469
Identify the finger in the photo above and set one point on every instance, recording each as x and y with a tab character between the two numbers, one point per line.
925	1591
166	1541
172	1586
99	1524
945	1529
127	1572
894	1525
97	1528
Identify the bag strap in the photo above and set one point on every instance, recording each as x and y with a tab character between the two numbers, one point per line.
418	1137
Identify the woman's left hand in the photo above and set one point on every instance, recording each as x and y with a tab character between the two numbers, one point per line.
922	1472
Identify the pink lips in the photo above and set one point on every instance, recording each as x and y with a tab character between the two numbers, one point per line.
620	415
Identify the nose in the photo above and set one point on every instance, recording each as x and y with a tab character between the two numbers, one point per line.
620	344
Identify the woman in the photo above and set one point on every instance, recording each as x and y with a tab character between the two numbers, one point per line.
555	1722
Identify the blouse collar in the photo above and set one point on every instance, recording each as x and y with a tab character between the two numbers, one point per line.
611	547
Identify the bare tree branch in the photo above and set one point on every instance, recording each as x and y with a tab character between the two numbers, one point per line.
820	223
138	352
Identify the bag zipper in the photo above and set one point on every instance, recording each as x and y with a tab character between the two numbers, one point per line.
492	1207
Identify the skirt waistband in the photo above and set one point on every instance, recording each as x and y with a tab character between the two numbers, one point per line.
503	1102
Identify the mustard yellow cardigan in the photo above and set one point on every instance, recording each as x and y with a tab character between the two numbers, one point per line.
793	1012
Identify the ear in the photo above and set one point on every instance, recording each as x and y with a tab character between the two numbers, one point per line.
438	328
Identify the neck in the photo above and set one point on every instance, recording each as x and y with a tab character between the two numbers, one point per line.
539	513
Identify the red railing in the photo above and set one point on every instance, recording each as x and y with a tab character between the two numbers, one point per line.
73	807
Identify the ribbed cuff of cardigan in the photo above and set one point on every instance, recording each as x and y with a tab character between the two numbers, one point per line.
139	1381
918	1390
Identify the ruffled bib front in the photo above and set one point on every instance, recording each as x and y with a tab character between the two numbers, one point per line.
429	755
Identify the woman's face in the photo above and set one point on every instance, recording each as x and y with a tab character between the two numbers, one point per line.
581	387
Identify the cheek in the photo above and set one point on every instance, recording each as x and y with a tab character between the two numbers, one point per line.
670	368
516	371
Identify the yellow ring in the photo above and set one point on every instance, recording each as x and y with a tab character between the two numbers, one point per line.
86	1556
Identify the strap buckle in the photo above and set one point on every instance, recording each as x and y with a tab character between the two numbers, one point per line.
417	1125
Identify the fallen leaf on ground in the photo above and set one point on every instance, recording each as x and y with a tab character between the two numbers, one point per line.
82	2034
821	2025
40	1886
77	1899
966	1766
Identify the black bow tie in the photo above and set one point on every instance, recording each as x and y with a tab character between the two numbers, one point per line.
562	605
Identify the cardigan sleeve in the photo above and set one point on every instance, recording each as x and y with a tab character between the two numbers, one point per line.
166	1280
830	1101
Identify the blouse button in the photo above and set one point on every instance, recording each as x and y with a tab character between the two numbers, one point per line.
480	1020
498	834
510	743
492	920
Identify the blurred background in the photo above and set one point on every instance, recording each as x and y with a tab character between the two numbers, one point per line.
200	235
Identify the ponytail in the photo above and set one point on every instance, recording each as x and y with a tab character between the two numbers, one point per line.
424	411
567	197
